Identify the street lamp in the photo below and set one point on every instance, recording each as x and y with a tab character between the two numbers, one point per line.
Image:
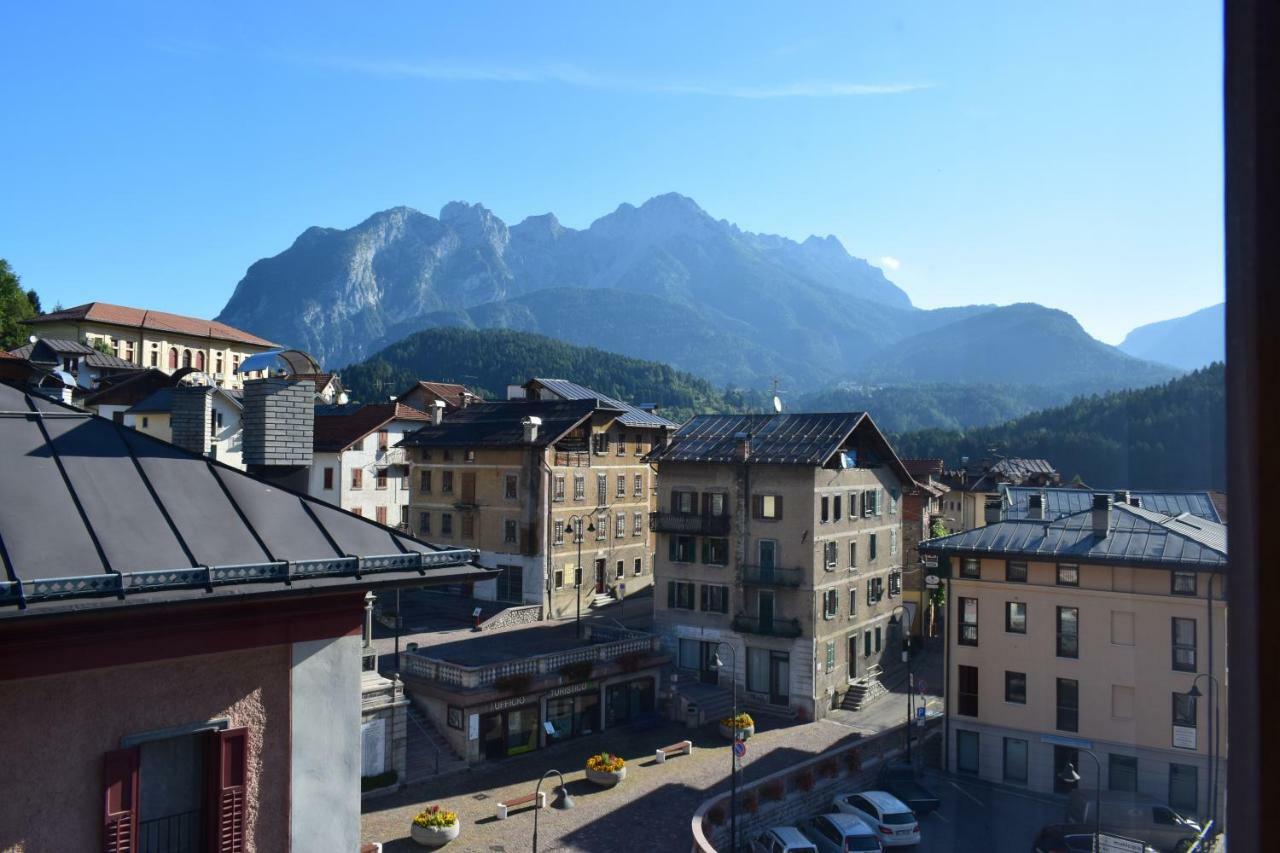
1069	774
733	755
1195	693
562	801
574	524
906	658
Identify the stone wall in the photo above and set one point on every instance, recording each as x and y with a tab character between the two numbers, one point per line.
525	615
279	422
189	421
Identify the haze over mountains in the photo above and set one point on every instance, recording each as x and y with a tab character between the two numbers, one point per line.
1187	342
663	281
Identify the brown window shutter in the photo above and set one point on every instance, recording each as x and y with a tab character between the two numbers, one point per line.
757	506
777	506
228	764
120	810
468	487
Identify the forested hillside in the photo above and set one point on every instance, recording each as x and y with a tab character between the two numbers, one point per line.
1169	436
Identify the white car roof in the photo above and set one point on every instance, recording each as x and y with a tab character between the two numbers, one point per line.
849	824
885	802
791	836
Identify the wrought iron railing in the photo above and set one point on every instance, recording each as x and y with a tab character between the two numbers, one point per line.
767	627
771	576
417	664
689	523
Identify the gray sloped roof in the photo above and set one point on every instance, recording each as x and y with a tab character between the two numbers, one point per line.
1064	501
501	424
91	356
161	400
1135	535
631	415
94	514
790	439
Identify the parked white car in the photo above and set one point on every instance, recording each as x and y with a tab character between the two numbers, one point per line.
782	839
895	824
840	833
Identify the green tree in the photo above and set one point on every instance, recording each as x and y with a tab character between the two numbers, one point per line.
16	308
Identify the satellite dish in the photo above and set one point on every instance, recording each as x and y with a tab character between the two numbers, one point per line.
31	339
777	404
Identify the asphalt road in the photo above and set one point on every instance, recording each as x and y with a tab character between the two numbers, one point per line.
978	817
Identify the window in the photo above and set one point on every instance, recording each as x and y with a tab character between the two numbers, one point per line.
1068	574
835	508
866	644
853	506
853	555
380	478
510	583
1183	583
971	567
602	526
1015	760
619	525
871	547
424	522
638	485
1015	687
636	440
1122	772
679	595
579	487
328	478
758	666
853	600
1068	705
424	482
1184	645
469	526
685	503
155	359
893	542
715	552
173	358
715	599
766	507
895	584
558	534
404	517
384	438
967	752
380	514
831	656
967	691
830	604
637	524
826	510
683	549
1184	710
510	531
875	590
830	554
878	638
446	524
893	501
358	511
447	455
1068	632
602	489
557	493
446	482
1015	572
512	486
638	566
871	502
968	622
618	571
558	580
1183	787
620	487
622	445
1015	617
357	478
600	442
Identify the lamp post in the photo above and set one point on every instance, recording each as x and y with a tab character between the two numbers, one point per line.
733	756
1194	692
562	801
906	658
1069	774
575	525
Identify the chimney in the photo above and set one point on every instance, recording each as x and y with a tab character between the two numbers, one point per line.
279	429
437	411
1035	506
1122	496
191	417
1135	500
742	451
992	509
531	425
1101	515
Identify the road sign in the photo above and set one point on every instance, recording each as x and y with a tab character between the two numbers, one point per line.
932	581
920	686
1116	844
740	748
920	713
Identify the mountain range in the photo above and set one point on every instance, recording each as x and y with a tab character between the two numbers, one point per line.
1188	342
663	281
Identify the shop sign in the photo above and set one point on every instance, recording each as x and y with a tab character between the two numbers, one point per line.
571	689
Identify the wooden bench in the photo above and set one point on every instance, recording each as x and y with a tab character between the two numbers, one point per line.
504	806
663	753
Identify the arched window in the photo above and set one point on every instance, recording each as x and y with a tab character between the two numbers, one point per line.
173	358
200	361
186	358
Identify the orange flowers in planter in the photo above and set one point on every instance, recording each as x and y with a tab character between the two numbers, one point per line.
605	762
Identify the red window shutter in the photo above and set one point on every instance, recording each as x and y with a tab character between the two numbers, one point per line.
120	811
228	764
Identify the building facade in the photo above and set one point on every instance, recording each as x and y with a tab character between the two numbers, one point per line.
975	486
167	342
1088	632
780	536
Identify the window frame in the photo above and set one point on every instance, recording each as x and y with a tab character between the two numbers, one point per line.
1173	583
1072	711
1009	695
968	563
1067	570
967	700
1061	650
966	637
1011	575
1008	617
1176	647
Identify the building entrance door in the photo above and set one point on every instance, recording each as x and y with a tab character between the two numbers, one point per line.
779	677
707	672
599	576
853	656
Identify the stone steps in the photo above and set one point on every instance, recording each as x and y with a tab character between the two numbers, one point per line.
862	692
602	599
427	753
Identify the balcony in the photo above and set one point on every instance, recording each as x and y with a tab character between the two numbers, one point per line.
572	458
689	524
774	628
771	576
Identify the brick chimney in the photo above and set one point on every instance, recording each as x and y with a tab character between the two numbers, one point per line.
191	418
742	448
1101	515
279	429
992	509
437	411
531	425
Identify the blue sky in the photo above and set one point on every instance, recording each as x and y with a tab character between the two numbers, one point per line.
1068	154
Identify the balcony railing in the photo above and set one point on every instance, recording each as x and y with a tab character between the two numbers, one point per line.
689	523
573	458
768	628
771	576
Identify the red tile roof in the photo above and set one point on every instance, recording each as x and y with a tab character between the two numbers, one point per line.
139	318
449	392
336	432
921	468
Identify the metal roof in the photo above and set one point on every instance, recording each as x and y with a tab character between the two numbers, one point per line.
1135	535
91	356
1064	501
790	439
501	424
161	400
631	415
96	515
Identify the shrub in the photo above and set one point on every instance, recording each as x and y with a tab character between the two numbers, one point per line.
578	670
804	779
827	768
742	721
605	762
774	789
434	817
716	815
518	683
373	783
751	802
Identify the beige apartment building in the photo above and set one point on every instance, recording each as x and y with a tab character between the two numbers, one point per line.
523	480
1087	632
168	342
780	537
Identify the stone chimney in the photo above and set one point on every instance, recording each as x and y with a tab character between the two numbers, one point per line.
191	418
1122	496
437	411
279	428
1101	515
992	509
742	449
531	425
1035	506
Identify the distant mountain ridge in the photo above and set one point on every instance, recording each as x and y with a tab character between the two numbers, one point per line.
1189	342
662	281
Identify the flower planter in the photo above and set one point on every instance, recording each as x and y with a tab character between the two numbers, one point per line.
606	778
428	836
727	733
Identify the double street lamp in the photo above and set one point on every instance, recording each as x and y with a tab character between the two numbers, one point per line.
574	525
906	658
1195	693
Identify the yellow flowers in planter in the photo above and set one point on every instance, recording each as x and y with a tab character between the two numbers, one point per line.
605	762
434	817
742	721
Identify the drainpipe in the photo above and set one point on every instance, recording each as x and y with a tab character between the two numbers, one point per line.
946	680
1213	705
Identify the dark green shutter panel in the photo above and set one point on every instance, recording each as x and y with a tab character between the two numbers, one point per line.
671	593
